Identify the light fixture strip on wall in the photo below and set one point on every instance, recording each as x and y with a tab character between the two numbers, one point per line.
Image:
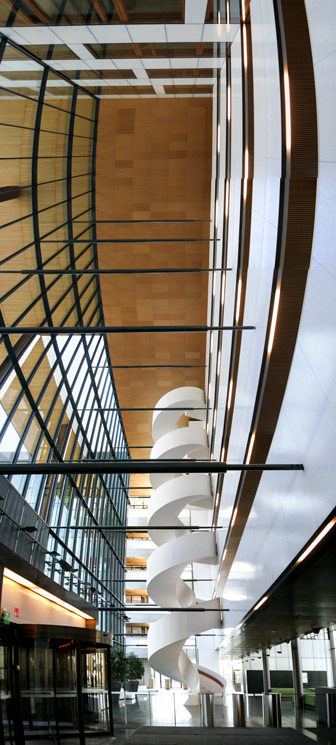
227	195
274	319
234	517
287	112
250	448
246	171
219	361
44	593
244	47
239	289
223	289
230	394
261	602
317	540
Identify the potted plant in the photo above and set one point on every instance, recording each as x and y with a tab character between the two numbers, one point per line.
134	673
119	668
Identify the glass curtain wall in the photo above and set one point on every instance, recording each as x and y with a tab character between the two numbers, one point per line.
57	392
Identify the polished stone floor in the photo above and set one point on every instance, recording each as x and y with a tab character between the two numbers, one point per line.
169	709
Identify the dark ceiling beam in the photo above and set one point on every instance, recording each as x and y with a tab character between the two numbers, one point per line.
134	221
92	330
143	466
144	367
17	11
162	270
143	408
100	11
133	529
156	608
121	11
9	192
131	240
40	14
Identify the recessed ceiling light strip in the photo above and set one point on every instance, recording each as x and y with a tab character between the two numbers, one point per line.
225	230
211	354
245	219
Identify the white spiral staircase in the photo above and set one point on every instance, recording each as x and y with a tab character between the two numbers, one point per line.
178	548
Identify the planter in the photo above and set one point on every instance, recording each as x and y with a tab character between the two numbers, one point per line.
131	686
115	686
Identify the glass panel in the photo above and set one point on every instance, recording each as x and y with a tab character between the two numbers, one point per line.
55	120
59	91
94	690
6	715
66	687
85	106
16	140
36	685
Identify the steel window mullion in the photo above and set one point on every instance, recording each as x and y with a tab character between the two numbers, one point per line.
54	230
49	131
52	283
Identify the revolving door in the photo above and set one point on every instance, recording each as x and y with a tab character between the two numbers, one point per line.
63	686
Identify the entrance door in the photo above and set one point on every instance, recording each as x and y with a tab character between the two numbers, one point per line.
37	688
6	720
11	731
67	709
95	690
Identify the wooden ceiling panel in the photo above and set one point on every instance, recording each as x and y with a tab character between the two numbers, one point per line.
154	163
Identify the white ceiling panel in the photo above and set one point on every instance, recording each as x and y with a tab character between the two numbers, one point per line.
111	34
216	62
216	32
59	83
180	32
140	73
81	51
205	81
12	33
69	35
67	64
195	10
90	82
156	64
32	35
158	87
149	32
19	65
126	64
139	81
182	63
100	64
